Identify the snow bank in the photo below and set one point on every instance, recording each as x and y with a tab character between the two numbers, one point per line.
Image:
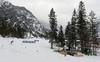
35	52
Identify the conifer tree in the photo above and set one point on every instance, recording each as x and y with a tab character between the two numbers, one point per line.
53	26
93	30
4	26
81	24
61	36
68	35
73	30
10	29
0	25
19	32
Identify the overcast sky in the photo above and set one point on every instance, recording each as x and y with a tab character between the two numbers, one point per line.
63	8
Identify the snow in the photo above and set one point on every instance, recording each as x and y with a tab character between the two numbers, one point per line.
36	52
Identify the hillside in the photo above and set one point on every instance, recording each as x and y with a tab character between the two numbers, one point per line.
20	16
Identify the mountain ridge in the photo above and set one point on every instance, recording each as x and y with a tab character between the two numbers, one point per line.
20	16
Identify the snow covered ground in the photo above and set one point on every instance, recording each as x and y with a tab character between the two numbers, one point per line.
36	52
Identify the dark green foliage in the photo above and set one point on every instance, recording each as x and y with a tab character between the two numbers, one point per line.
53	26
73	30
61	36
3	28
93	29
68	35
82	29
7	29
81	24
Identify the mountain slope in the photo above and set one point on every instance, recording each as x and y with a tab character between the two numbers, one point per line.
20	16
45	24
36	52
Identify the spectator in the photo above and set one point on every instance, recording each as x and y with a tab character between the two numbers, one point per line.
91	52
88	52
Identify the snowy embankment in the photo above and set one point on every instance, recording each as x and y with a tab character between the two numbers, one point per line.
35	52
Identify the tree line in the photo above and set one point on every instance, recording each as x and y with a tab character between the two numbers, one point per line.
82	29
7	29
